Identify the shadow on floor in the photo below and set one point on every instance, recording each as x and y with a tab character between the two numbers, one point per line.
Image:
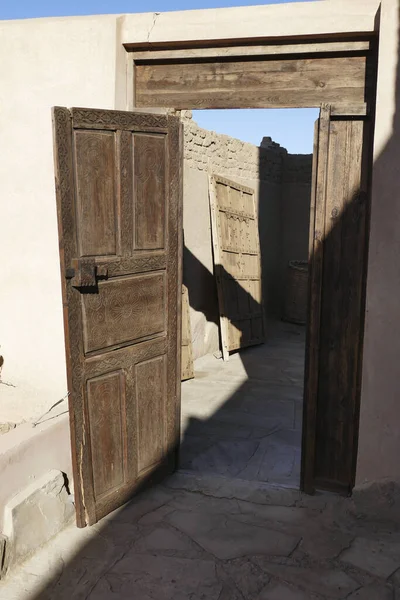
242	418
241	423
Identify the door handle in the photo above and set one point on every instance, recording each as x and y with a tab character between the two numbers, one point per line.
84	272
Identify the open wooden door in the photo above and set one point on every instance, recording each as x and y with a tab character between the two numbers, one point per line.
119	199
338	259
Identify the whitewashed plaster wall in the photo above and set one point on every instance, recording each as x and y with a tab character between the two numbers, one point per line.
43	62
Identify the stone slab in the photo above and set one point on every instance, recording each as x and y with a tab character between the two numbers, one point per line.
280	591
227	458
25	455
141	505
329	582
226	538
225	487
199	503
373	592
155	516
321	543
378	558
37	514
158	577
292	520
167	541
273	462
247	576
277	514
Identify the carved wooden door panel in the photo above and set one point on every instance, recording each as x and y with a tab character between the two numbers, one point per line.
338	260
237	264
119	197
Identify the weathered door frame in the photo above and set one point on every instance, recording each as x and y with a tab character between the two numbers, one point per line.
340	202
304	54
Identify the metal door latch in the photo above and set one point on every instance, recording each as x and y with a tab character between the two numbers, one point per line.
84	272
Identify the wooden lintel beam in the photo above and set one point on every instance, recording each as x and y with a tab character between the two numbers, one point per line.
264	50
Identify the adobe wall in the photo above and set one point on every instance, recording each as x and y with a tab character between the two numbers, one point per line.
318	17
43	62
379	439
282	191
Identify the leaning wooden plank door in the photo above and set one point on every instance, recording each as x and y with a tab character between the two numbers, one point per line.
338	258
237	264
118	182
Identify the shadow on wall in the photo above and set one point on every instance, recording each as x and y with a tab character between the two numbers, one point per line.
202	287
100	569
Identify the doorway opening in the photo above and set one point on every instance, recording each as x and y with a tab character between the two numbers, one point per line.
242	418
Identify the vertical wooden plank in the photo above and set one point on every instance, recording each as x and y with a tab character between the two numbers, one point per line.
317	227
150	174
336	304
66	211
341	315
125	207
174	241
96	183
106	408
331	410
150	378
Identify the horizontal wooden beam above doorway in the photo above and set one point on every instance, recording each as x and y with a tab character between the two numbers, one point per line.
249	50
288	82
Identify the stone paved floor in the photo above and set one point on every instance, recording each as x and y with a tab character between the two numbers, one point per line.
242	418
230	525
231	542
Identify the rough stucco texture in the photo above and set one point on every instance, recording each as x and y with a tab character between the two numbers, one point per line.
44	62
379	439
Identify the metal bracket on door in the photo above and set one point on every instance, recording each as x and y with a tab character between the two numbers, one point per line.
84	272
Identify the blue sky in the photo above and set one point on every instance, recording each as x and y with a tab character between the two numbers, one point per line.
293	129
24	9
